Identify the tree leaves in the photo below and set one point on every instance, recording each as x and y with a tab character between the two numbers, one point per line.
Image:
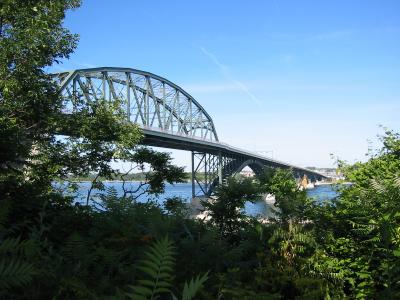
226	210
366	217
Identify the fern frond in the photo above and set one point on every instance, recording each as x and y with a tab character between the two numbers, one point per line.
190	289
157	266
76	247
111	192
397	182
15	272
4	210
10	245
16	246
378	187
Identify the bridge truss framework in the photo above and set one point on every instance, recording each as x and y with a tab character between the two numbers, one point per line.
169	118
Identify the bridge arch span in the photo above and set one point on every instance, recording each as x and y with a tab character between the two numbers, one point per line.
149	100
256	166
226	168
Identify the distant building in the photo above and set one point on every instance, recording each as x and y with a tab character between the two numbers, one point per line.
329	172
247	173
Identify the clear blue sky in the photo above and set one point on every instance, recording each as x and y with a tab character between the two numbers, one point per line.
300	78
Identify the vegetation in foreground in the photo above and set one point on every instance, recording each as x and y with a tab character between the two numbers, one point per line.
51	248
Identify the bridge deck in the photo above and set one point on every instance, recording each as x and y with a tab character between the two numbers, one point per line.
165	139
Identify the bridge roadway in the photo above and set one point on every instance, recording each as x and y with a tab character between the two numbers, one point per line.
214	152
165	139
170	118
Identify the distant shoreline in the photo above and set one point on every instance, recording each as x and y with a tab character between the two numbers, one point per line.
119	181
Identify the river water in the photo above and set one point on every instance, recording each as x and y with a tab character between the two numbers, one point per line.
184	190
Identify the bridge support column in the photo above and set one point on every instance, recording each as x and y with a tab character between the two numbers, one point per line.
205	174
193	184
205	171
220	166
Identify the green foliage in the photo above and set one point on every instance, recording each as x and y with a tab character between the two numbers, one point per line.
359	233
31	38
195	284
383	164
289	199
15	273
291	242
161	169
226	211
158	268
176	206
15	270
98	134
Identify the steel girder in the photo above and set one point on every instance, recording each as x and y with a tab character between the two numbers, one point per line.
149	100
211	170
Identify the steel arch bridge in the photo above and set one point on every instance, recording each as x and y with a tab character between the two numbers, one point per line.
169	118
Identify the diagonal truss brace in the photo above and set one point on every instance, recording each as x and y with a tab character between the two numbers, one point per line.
210	170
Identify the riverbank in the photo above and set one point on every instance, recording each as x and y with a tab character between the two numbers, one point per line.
184	191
